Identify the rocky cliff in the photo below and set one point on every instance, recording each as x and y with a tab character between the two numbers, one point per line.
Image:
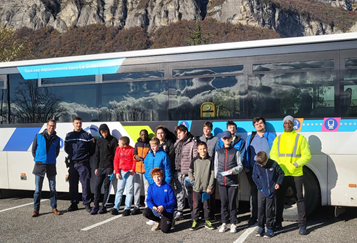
153	14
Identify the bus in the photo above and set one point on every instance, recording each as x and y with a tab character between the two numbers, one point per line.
311	78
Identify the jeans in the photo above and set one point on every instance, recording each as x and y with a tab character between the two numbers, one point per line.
129	186
38	190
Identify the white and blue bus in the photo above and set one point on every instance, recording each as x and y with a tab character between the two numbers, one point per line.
312	78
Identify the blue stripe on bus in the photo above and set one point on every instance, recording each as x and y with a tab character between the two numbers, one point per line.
349	125
21	139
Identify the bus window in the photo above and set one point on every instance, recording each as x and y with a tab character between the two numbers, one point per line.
226	70
300	65
348	89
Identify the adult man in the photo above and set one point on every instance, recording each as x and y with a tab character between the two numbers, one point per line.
259	140
185	151
45	149
292	152
80	146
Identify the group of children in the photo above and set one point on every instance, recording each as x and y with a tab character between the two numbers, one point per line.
148	166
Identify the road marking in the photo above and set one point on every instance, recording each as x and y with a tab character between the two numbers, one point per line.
100	223
20	206
245	235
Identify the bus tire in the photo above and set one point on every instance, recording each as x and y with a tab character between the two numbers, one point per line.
312	195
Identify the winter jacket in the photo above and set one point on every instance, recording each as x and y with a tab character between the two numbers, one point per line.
161	196
201	173
168	147
105	151
238	143
124	159
211	142
79	145
160	159
188	152
227	159
142	148
265	177
283	152
270	137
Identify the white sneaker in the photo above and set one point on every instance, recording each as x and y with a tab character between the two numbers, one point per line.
178	216
150	222
233	228
223	228
155	226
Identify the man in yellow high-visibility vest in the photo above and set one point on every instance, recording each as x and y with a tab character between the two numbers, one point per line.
292	152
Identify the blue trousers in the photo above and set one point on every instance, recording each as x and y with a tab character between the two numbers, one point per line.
80	172
127	183
38	190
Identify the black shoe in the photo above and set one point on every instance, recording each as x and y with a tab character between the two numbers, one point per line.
277	227
94	210
252	221
126	212
136	210
302	230
115	211
102	210
88	208
73	207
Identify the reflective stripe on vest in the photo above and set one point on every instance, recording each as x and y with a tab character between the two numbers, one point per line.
294	155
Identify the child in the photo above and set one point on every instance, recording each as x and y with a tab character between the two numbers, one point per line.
268	176
104	156
161	202
124	168
201	174
142	148
227	166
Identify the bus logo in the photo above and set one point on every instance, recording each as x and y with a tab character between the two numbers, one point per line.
331	124
297	124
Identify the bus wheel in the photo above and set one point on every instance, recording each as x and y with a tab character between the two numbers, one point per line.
312	195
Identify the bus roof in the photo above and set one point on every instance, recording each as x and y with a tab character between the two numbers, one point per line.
190	49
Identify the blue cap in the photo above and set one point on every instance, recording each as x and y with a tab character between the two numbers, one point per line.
226	134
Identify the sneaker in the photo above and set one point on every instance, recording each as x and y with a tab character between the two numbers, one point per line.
55	211
155	226
115	211
136	210
194	225
102	210
94	210
88	208
277	227
269	233
178	216
150	222
209	225
260	232
233	228
252	221
223	228
35	213
302	230
126	212
73	207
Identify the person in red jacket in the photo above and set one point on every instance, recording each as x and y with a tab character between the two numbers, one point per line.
124	169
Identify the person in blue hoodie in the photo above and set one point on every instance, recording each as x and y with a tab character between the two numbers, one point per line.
157	158
259	140
268	176
161	202
45	149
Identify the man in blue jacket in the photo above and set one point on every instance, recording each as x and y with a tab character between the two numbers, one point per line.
259	140
45	149
80	146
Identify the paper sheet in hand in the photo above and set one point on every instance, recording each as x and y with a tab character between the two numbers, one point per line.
225	173
188	183
156	213
205	196
127	174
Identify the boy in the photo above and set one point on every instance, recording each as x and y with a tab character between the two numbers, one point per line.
268	176
201	174
124	169
161	202
104	156
227	166
142	148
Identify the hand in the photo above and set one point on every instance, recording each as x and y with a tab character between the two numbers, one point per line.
131	172
208	191
96	172
160	209
277	186
93	140
154	208
136	157
118	175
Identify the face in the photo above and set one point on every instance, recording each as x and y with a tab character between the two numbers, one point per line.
227	141
121	144
154	147
263	163
51	126
259	126
181	135
143	136
288	126
202	150
157	179
207	131
104	133
232	129
77	124
160	134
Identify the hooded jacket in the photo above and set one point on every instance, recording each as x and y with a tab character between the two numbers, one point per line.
105	149
141	149
160	159
188	152
124	159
